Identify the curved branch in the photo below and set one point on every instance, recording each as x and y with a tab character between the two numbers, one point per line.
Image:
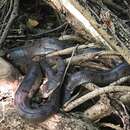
95	93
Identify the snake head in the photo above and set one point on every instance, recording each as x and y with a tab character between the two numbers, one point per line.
16	53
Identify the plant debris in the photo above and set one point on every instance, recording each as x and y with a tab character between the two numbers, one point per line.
65	64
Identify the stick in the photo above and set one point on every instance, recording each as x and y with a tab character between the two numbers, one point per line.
39	35
5	18
82	57
67	67
113	126
11	19
95	93
66	51
90	56
120	81
85	22
71	38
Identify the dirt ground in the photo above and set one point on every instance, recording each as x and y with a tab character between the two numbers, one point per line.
10	120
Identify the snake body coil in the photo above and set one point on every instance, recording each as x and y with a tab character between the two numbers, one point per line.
100	78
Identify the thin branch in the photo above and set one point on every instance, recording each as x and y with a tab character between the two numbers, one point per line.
121	111
71	38
11	19
39	35
113	126
120	81
82	57
66	51
90	56
5	18
95	93
67	67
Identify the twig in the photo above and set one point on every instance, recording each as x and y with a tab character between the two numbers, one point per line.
115	6
2	3
3	10
95	93
91	86
66	51
88	86
5	18
39	35
108	53
113	126
71	99
11	19
125	98
89	56
120	109
85	22
93	65
71	38
120	81
82	57
67	67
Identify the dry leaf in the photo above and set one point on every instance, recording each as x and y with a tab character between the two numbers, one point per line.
31	23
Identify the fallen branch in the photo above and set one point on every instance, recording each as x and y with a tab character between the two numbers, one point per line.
95	93
101	109
84	18
85	22
98	111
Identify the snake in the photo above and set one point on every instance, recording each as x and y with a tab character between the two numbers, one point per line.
40	46
100	78
31	84
20	56
34	78
52	89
